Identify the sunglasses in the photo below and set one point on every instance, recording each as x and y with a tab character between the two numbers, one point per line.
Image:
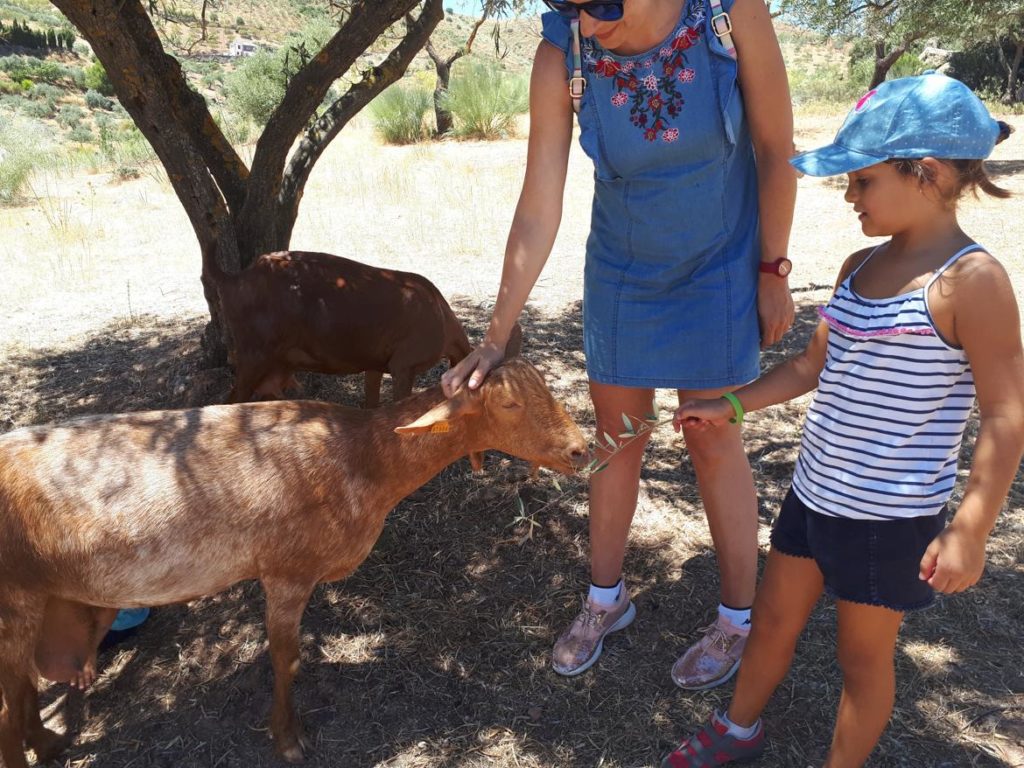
602	10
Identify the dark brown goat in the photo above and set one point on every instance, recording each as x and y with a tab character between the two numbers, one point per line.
303	311
154	508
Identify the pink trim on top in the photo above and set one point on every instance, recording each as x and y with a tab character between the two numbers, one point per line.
850	331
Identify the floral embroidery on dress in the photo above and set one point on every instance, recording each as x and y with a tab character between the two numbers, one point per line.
651	87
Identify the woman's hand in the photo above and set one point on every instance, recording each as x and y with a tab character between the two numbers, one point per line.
774	308
702	414
473	368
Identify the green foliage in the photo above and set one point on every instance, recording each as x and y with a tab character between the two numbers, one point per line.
38	109
980	68
484	100
256	88
96	79
824	84
45	92
258	85
82	134
96	100
23	148
398	113
124	148
70	116
37	70
861	70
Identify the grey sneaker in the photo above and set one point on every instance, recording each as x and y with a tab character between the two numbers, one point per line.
712	660
581	644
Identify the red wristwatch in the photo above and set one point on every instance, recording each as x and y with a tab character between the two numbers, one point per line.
781	267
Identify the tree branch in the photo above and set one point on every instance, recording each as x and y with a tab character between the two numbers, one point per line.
374	80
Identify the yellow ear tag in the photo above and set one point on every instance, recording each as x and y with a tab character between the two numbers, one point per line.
441	426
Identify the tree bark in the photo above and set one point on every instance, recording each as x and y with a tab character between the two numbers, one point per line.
245	213
1013	93
443	67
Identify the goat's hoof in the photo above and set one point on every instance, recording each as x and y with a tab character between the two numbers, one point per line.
47	745
294	749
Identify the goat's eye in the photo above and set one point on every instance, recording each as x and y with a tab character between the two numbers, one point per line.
511	405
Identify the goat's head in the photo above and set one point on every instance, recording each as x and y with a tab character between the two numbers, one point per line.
512	411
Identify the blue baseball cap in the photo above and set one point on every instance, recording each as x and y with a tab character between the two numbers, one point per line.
929	115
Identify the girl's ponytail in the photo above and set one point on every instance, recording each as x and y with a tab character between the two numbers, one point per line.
1005	129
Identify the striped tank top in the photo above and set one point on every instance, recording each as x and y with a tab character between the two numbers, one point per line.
883	433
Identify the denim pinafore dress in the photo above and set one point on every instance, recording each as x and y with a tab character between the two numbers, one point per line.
670	283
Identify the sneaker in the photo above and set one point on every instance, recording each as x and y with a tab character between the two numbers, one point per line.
713	745
712	660
581	644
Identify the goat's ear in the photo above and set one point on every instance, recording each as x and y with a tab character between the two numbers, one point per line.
514	347
438	418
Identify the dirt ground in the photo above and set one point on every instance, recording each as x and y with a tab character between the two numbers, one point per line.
436	651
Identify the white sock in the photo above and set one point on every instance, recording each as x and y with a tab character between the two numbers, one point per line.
738	730
605	596
738	617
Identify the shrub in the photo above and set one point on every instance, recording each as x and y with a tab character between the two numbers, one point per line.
23	147
484	100
824	83
38	109
82	134
256	88
70	116
96	79
979	68
20	68
96	100
398	112
45	92
82	48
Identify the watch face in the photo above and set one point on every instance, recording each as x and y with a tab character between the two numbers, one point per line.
785	267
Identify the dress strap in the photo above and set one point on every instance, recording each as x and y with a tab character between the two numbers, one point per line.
866	259
951	261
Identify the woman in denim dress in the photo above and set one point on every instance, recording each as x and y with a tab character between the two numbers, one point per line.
685	275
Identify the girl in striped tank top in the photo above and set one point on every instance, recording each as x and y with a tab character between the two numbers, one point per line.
916	330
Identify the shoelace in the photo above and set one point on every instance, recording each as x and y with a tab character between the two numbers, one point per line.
718	638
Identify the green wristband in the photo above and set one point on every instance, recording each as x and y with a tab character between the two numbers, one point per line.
737	406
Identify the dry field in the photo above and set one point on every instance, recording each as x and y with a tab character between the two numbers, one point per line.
436	652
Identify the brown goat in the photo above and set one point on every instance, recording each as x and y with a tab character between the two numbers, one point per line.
302	311
160	507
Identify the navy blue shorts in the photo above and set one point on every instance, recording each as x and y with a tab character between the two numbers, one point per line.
875	562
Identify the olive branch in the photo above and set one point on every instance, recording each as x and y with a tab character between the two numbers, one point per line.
634	429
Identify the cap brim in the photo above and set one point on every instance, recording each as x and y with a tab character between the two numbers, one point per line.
833	160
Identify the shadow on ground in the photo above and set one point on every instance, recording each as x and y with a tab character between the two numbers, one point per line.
436	651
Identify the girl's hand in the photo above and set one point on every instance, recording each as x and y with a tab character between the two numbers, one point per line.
954	560
774	308
473	368
702	414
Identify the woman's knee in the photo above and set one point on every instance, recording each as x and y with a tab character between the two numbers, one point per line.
714	448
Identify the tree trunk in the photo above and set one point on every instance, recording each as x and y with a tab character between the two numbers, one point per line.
1013	93
245	213
441	114
884	62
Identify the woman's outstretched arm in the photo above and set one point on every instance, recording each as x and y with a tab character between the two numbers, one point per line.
537	216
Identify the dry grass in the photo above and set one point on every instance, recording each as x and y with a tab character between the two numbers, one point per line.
436	652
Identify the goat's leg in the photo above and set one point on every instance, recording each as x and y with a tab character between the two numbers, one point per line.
401	384
13	717
45	743
249	374
20	618
371	389
286	600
